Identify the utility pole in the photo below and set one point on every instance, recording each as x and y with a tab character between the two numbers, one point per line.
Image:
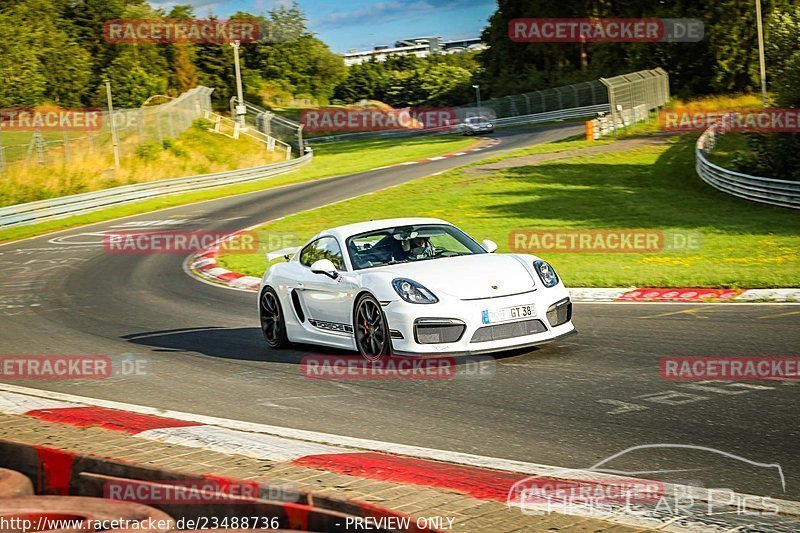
241	110
478	98
761	54
114	139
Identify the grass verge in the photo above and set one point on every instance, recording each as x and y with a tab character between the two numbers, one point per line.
744	245
329	160
195	151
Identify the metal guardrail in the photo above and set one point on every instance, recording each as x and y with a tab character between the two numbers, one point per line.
551	116
781	193
536	118
44	210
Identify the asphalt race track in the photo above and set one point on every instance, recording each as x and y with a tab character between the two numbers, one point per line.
569	404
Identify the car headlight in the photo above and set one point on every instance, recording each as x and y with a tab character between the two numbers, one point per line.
546	273
413	292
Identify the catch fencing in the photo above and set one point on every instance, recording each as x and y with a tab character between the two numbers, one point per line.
577	95
269	123
780	193
233	129
131	127
617	103
631	97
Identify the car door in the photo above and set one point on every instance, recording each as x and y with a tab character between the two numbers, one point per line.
327	301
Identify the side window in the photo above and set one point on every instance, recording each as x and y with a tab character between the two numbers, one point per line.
324	248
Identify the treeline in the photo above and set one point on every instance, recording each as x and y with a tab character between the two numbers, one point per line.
409	80
778	154
54	51
724	61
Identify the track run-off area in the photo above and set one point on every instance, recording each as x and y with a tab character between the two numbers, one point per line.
569	404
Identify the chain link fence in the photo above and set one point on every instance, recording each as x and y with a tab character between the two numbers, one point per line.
616	103
584	94
127	128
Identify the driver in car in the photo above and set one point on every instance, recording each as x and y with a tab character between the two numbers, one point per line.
419	248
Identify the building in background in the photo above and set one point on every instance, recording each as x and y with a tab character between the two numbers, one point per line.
418	46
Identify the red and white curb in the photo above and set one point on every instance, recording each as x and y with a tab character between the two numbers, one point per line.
689	295
205	265
492	143
480	477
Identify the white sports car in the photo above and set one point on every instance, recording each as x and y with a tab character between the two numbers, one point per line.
411	286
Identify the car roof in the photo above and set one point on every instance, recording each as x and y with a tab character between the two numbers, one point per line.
343	232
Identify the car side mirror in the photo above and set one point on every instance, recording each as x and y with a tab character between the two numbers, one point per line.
325	266
489	246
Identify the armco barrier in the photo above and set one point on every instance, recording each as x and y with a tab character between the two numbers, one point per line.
780	193
536	118
43	210
550	116
65	473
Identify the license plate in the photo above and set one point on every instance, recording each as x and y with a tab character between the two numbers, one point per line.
508	313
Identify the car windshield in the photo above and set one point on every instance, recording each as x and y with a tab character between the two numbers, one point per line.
403	244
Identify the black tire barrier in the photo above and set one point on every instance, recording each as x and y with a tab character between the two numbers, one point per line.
68	514
14	485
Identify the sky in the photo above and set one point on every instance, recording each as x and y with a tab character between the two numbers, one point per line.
363	24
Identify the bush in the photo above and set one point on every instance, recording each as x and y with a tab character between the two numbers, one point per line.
177	151
774	155
148	151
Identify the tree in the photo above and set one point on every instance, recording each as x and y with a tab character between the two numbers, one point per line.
724	61
777	155
139	70
297	59
39	58
131	82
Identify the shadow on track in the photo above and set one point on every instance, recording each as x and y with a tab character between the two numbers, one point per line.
247	344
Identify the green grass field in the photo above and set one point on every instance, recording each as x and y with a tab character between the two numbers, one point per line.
655	187
331	159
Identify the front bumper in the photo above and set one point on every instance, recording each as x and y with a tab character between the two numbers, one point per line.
530	331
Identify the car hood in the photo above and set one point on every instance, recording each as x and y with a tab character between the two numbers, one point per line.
469	277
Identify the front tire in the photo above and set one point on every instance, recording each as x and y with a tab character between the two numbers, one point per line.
273	326
370	329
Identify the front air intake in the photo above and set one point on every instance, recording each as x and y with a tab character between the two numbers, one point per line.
559	313
438	331
508	331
